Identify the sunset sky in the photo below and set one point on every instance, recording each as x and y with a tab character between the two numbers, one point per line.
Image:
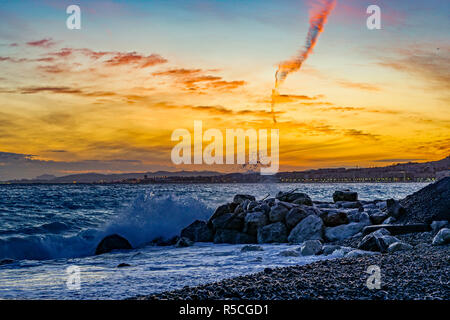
106	98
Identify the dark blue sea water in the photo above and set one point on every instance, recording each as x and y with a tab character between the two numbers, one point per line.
47	228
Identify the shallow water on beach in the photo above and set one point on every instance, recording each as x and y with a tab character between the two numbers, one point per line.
47	228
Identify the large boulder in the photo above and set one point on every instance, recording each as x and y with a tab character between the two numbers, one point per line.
239	198
333	219
232	237
344	231
197	231
220	210
311	247
394	208
345	195
275	232
379	240
377	217
295	215
278	213
294	197
112	242
442	237
399	246
310	228
254	221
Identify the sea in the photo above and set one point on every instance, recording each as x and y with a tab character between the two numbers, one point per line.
48	236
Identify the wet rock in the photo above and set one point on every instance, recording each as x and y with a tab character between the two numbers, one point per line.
275	232
377	241
251	248
344	231
329	249
295	197
289	253
253	221
220	210
198	231
295	215
311	247
399	246
232	237
394	208
112	242
122	265
230	221
333	219
183	242
310	228
442	237
251	205
438	225
345	195
263	207
278	213
239	198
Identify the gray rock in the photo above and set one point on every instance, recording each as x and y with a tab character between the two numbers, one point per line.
229	221
438	225
253	221
275	232
399	246
378	217
183	242
263	207
295	197
220	210
251	205
344	231
349	205
377	241
278	213
345	195
333	219
250	247
289	253
112	242
311	247
442	237
390	220
295	215
239	198
198	231
310	228
233	237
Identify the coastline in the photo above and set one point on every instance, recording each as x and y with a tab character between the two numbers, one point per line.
418	274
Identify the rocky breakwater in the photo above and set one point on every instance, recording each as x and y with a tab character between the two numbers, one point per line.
292	217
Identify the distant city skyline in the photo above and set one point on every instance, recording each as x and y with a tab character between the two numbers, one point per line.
106	98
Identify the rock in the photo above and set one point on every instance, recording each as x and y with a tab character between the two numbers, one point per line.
396	229
345	195
278	213
295	197
438	225
232	237
344	231
295	215
311	247
394	208
359	253
122	265
310	228
333	219
251	205
183	242
289	253
112	242
253	221
263	207
239	198
230	221
275	232
442	237
329	249
399	246
390	220
378	217
6	261
160	241
377	241
251	248
349	205
198	231
220	210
